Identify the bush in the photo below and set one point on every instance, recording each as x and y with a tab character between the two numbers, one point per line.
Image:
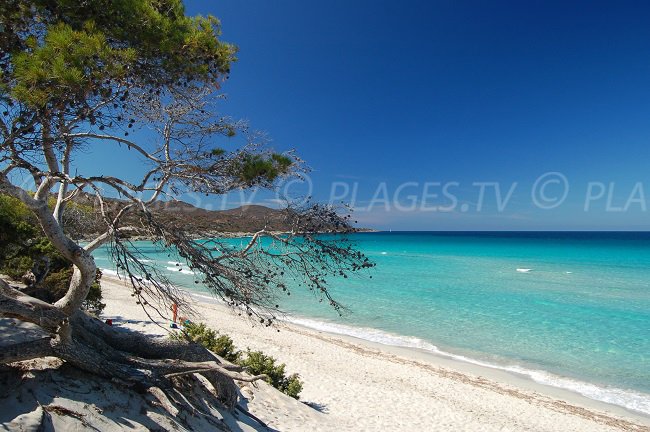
255	362
93	302
15	267
17	231
22	244
221	345
293	386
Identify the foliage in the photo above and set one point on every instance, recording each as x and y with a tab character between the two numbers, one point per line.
77	75
255	362
64	49
222	345
16	228
253	168
68	64
23	245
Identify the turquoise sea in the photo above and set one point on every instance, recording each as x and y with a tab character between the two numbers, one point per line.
566	309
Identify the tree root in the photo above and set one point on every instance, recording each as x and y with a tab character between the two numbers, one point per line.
146	363
26	350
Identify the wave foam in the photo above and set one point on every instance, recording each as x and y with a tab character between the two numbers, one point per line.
628	399
180	270
109	272
366	333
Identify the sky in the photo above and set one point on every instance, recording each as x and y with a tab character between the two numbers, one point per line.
451	115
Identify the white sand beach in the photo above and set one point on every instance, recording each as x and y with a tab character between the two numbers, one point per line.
349	385
358	385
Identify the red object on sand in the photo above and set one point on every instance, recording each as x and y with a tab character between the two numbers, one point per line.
174	311
109	322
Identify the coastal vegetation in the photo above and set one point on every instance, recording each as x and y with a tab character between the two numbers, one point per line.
28	256
254	362
142	78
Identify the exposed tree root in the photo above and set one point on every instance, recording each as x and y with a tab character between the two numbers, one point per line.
146	363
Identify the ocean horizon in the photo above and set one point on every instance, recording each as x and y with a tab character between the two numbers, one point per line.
569	309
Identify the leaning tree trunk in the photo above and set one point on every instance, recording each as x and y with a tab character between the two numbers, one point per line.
85	270
93	346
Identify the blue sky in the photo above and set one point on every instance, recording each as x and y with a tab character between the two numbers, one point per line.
376	93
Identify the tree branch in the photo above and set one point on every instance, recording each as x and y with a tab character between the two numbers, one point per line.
222	371
48	146
107	236
129	143
63	187
16	304
26	350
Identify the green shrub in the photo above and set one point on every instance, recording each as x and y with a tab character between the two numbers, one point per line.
22	243
17	230
93	302
255	362
293	386
221	345
15	267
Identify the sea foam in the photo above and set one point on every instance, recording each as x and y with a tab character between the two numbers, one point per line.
628	399
109	272
180	270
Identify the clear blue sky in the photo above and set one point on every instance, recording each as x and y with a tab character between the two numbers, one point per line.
453	91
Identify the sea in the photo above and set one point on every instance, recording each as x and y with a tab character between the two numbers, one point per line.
565	309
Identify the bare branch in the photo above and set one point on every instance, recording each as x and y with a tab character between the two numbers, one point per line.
108	236
63	187
129	143
47	143
15	304
221	370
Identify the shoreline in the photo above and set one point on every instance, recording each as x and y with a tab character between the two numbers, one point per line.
522	376
497	383
498	372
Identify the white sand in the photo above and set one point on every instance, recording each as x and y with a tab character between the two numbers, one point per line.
350	384
363	386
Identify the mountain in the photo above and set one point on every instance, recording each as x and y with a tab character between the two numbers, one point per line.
85	220
246	218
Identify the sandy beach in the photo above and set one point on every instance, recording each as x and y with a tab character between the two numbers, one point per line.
352	384
411	216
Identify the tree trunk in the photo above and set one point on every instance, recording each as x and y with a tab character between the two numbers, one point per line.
83	276
95	347
27	350
88	343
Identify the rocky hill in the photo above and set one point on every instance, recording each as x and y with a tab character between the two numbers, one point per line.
248	218
87	222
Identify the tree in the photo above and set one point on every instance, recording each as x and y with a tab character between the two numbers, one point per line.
79	75
27	255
